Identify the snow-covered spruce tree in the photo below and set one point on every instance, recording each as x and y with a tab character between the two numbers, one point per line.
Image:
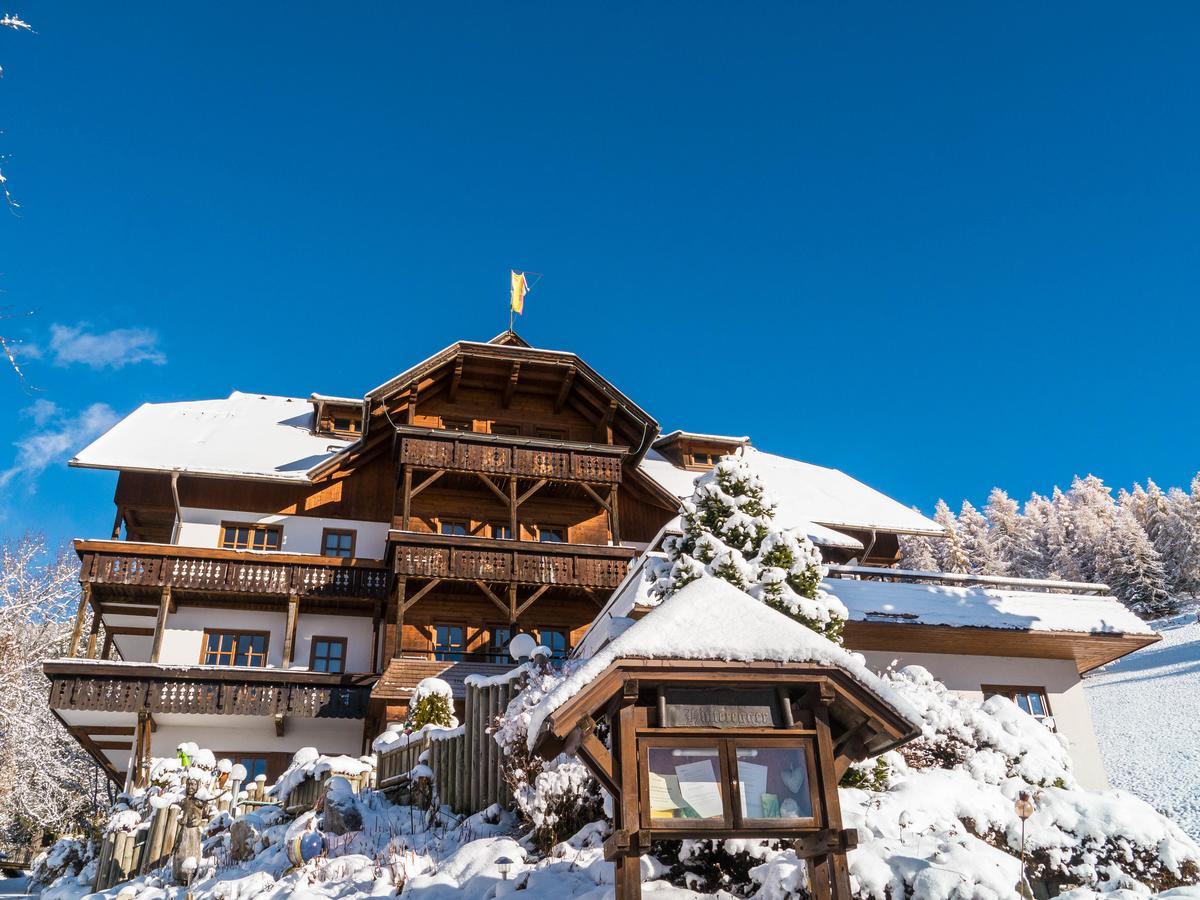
432	703
977	542
729	531
1132	568
952	556
1031	555
917	554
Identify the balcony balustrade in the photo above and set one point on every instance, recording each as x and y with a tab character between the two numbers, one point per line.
501	455
423	555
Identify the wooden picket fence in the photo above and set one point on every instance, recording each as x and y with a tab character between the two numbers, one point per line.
304	796
466	761
127	854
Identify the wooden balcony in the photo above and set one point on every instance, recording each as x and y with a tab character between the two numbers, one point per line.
204	690
457	558
120	568
501	455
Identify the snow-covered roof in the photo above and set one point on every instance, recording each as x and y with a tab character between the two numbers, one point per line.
244	435
696	435
807	493
818	534
711	619
983	607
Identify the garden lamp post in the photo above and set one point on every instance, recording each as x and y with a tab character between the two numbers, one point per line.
1024	808
504	864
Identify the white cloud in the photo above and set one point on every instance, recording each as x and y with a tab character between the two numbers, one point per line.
104	350
41	411
55	437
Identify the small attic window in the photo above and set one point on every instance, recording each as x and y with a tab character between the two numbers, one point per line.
346	425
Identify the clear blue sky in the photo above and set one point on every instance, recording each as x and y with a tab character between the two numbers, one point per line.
939	246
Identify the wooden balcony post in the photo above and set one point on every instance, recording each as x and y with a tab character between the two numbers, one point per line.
613	519
289	633
85	595
160	623
376	622
406	513
398	638
95	630
512	509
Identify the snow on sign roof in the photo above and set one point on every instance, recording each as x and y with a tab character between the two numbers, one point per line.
980	607
711	619
808	493
246	435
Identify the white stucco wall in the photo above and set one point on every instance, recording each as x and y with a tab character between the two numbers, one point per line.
184	636
1059	677
301	534
256	734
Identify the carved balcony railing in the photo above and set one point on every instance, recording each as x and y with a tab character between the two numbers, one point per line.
502	455
117	563
205	690
423	555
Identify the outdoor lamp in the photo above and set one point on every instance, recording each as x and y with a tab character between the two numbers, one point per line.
1024	806
521	646
504	864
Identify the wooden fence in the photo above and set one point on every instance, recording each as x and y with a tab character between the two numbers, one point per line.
467	763
127	854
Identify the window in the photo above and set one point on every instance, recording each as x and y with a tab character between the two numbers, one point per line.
727	783
1030	699
328	654
235	648
553	434
552	534
502	428
337	543
500	532
449	642
704	459
346	425
448	526
250	537
456	424
497	647
555	640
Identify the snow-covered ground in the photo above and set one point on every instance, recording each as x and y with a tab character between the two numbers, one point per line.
1146	709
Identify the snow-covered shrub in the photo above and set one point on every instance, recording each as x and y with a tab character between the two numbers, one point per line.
66	857
729	531
432	703
555	799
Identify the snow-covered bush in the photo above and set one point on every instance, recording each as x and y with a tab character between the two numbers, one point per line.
432	703
554	799
729	531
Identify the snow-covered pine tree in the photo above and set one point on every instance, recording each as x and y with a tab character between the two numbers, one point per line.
917	553
952	556
1092	513
1132	568
1180	539
1008	530
729	531
1030	554
977	542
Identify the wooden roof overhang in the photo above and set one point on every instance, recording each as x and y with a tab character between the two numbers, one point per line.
854	710
1088	650
565	376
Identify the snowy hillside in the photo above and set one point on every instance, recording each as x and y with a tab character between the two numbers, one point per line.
1146	709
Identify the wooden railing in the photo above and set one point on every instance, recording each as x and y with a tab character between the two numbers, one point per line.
488	454
423	555
228	571
141	687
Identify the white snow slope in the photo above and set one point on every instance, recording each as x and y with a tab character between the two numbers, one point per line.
1146	708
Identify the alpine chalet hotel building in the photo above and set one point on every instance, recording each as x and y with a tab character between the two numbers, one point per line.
281	572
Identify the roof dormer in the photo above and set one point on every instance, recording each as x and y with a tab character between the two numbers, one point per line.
339	416
698	452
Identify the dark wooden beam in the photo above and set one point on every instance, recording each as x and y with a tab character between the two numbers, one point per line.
426	483
289	633
85	593
456	379
564	389
412	601
487	592
537	486
514	374
492	485
529	601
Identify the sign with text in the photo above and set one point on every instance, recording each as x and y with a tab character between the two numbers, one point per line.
721	708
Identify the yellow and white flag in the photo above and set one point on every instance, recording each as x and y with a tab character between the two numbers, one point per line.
519	288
